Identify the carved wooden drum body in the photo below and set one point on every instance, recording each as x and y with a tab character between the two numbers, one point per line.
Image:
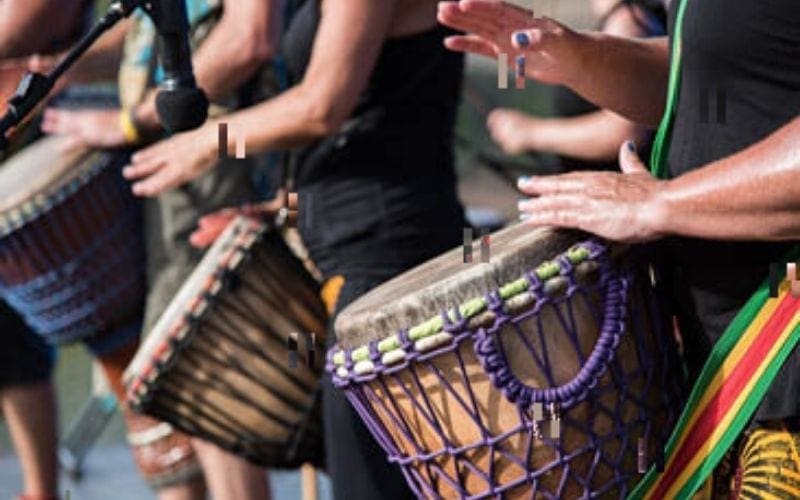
71	247
216	365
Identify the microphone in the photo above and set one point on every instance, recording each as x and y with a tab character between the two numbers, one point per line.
181	104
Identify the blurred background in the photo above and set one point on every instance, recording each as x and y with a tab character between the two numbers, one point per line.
486	182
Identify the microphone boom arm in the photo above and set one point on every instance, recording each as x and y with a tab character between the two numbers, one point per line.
34	87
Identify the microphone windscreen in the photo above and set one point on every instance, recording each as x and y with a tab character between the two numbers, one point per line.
182	109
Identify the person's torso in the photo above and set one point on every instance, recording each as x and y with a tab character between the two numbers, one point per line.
740	82
388	174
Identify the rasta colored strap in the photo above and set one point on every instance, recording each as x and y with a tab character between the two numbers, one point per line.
734	380
741	367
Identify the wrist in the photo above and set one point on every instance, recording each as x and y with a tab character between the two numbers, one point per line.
660	211
582	51
208	141
538	134
145	116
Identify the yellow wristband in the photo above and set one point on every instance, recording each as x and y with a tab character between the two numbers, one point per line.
129	129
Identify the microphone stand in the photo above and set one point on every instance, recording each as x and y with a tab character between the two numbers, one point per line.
34	87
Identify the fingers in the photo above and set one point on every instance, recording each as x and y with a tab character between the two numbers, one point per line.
629	160
559	210
163	180
505	14
453	15
555	184
211	226
59	121
472	44
71	143
142	167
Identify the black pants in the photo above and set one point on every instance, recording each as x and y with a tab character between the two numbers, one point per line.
354	459
25	358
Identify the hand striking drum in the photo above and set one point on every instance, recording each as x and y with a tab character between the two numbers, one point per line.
538	375
216	364
72	265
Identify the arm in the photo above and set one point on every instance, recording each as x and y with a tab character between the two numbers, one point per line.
751	195
625	75
590	137
754	194
31	26
247	35
100	63
346	48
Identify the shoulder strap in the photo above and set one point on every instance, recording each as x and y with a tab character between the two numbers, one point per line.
742	365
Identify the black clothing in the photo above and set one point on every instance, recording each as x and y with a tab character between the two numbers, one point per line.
354	460
382	191
375	199
740	82
25	358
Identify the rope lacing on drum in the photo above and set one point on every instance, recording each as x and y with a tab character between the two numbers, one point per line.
432	334
419	394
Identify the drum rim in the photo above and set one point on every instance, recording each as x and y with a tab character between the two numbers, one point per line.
87	165
380	355
158	349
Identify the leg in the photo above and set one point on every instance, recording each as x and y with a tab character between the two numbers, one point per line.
230	477
169	220
164	456
30	412
27	400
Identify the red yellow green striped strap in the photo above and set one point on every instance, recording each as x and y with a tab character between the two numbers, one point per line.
733	382
741	367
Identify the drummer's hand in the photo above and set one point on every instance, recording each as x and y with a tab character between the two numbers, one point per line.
494	27
210	226
173	162
617	206
98	128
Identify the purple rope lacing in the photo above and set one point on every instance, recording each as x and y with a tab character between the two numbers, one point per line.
429	469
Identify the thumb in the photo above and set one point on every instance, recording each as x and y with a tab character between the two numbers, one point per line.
629	161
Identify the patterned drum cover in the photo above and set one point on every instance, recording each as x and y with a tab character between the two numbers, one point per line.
71	247
217	363
549	372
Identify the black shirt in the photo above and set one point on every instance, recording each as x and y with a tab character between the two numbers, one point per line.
380	195
740	82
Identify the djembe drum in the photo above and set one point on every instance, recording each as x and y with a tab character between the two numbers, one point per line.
217	362
71	250
548	372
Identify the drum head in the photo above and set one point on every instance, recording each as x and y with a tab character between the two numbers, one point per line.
446	282
38	170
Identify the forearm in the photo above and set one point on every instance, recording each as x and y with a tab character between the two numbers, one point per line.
245	37
752	195
591	137
31	26
626	75
293	119
237	47
101	62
